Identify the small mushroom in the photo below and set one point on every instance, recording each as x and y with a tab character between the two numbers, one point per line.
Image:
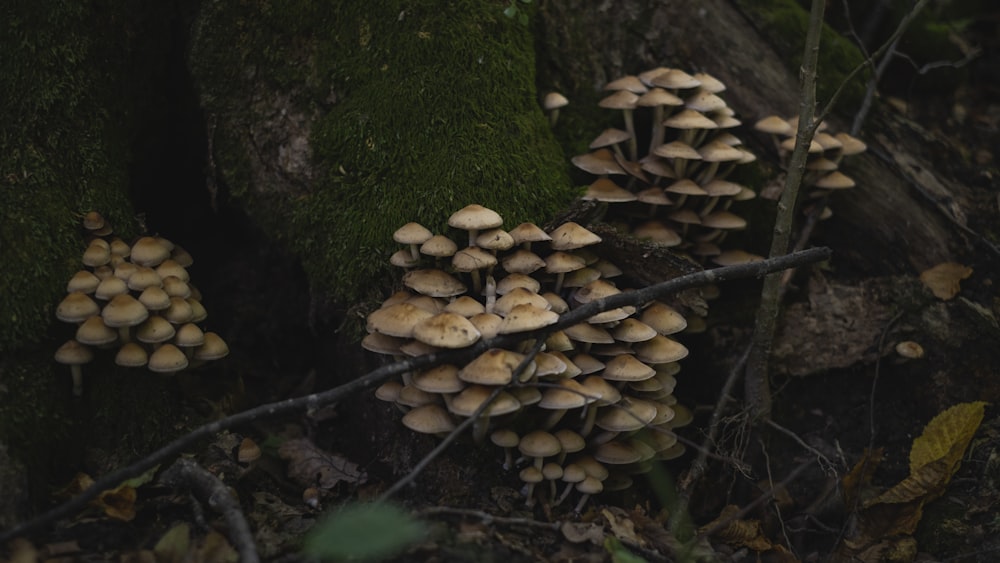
74	355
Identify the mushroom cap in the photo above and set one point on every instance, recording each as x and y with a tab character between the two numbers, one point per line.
571	235
608	137
167	359
625	367
704	101
93	221
657	232
606	190
835	180
633	330
397	320
469	400
528	232
433	282
659	350
616	453
76	307
522	261
674	79
689	119
735	256
73	353
774	125
597	386
144	277
525	317
505	438
588	333
124	310
149	251
189	335
658	97
539	443
198	312
94	332
554	100
621	99
677	149
723	220
469	259
109	287
663	318
465	306
382	343
626	415
519	296
567	395
475	217
439	379
155	329
627	82
600	161
403	258
428	419
213	348
412	233
438	246
389	391
685	186
910	349
493	367
83	281
850	145
562	262
446	330
170	267
716	151
179	311
97	253
597	289
154	298
131	355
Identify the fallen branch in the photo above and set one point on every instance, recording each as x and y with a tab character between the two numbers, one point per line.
378	376
185	473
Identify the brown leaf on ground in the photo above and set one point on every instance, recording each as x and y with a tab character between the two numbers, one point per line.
312	467
621	525
741	533
859	480
944	279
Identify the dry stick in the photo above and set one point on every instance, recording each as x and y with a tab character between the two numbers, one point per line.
185	473
373	378
757	384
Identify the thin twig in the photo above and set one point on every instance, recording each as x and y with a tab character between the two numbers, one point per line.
489	519
376	377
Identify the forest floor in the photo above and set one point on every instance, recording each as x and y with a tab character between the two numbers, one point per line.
799	490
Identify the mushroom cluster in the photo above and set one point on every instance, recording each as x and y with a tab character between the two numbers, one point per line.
826	151
137	300
593	407
669	182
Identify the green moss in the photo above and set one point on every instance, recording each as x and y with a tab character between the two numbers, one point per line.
434	108
63	150
784	23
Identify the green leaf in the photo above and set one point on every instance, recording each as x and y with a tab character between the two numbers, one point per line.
510	11
619	553
364	532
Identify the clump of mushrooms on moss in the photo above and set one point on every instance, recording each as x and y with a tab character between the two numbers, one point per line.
137	301
594	404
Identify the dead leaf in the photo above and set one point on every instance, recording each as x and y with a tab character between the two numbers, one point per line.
952	427
117	503
859	479
621	525
943	279
173	546
579	532
310	466
742	533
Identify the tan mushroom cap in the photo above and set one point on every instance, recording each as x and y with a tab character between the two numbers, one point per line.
588	333
144	277
716	151
465	306
76	307
467	260
167	359
625	367
412	233
774	125
98	253
170	267
562	262
835	181
522	261
723	220
433	282
198	311
658	97
466	402
475	217
608	137
685	186
850	145
735	256
440	379
189	335
597	386
154	330
94	332
633	330
149	251
597	289
704	101
429	419
554	100
821	164
179	311
397	320
677	149
382	343
519	296
722	188
446	330
689	119
525	317
83	281
599	162
176	287
616	453
659	350
567	395
488	324
606	190
628	82
621	99
73	353
571	235
539	444
789	145
109	287
626	415
403	258
438	246
494	239
527	233
213	348
493	367
93	220
123	311
131	355
663	318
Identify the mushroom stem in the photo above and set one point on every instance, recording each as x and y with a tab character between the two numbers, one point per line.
553	117
124	335
415	252
633	148
656	137
491	294
77	372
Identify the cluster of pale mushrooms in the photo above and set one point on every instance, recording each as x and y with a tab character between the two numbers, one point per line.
669	183
136	300
592	408
826	152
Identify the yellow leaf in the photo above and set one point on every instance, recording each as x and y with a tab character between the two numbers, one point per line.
953	427
943	279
